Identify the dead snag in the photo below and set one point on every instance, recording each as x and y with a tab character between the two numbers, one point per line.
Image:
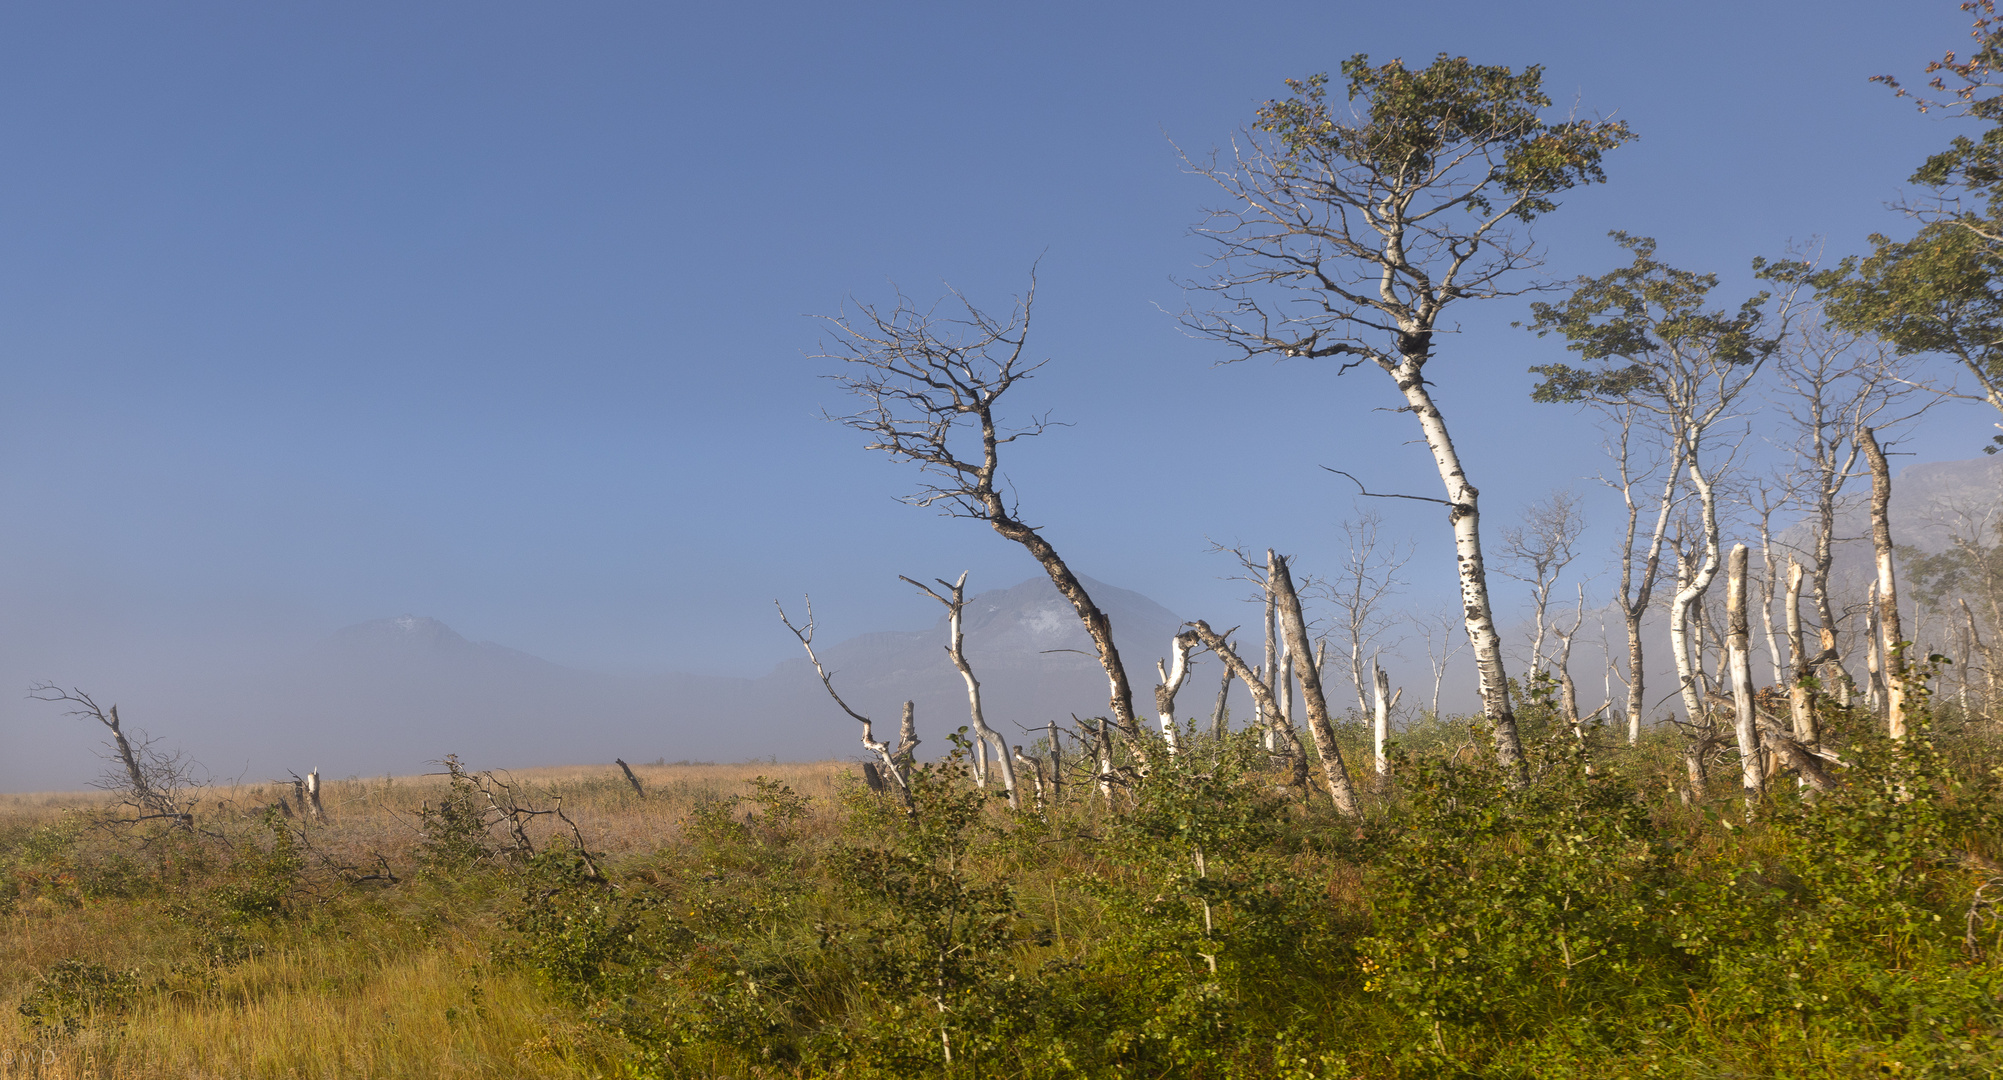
149	781
1890	639
956	604
806	635
630	778
1335	772
923	381
1171	683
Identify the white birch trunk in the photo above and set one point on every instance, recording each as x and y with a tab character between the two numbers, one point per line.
1464	512
1890	639
1171	684
1738	644
1380	727
1801	705
1691	585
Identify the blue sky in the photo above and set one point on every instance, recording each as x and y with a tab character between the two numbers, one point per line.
316	313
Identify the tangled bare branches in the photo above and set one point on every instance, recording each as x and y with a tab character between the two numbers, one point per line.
150	781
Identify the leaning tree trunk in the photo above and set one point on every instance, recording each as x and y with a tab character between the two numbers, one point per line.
1891	640
1217	721
1738	647
1464	513
1097	625
1262	695
1334	772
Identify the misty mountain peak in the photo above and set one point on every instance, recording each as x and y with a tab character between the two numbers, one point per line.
404	633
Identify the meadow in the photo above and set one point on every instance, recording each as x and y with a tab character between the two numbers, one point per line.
1191	915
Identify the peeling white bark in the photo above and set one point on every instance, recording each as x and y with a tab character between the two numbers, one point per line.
1738	645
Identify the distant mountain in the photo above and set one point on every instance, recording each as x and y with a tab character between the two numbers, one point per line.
416	639
393	694
1931	502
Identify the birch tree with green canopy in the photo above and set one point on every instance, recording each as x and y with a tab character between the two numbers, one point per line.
1347	233
1941	291
1655	353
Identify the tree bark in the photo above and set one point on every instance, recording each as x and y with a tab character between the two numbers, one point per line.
1800	699
631	779
1464	514
1738	637
1056	764
1335	772
1262	695
1692	583
1380	727
1171	683
1891	639
1217	721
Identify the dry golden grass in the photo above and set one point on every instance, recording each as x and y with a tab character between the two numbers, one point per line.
362	981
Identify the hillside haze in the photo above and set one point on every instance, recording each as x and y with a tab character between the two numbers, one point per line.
392	695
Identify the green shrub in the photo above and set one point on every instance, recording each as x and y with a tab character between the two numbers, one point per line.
73	994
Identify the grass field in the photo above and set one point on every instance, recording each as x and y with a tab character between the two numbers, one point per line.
1194	916
365	981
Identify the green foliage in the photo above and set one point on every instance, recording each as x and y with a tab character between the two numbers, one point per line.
73	994
1211	925
1937	292
1647	325
1415	121
454	829
253	892
1503	912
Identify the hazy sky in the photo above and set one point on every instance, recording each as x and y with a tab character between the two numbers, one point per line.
315	313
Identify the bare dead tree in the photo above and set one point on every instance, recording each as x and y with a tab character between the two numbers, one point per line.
1382	701
630	778
1056	764
1367	579
1536	551
1440	627
894	764
1036	767
307	790
1800	696
907	737
955	600
150	782
1335	771
1218	712
930	387
1347	233
1172	676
